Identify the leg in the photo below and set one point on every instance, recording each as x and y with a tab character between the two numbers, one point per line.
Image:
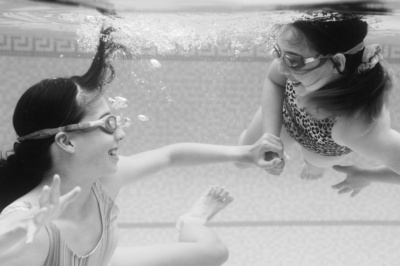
315	165
198	245
311	172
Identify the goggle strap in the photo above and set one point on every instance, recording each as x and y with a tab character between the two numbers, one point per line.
45	133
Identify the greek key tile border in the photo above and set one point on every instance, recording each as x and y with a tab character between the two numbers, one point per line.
63	47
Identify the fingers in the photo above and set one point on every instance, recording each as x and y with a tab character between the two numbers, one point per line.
355	193
274	167
55	190
341	169
35	224
345	190
273	172
32	229
272	143
44	197
69	197
270	155
340	185
274	163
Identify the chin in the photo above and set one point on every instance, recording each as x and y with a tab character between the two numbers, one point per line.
317	114
108	170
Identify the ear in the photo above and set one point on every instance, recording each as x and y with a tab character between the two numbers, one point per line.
340	62
63	141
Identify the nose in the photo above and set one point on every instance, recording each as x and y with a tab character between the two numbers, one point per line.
119	134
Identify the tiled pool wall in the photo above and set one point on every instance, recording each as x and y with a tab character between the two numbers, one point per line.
209	98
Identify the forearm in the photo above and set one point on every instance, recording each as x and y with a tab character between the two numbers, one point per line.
382	174
191	154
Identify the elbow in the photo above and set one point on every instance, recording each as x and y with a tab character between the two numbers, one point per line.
224	255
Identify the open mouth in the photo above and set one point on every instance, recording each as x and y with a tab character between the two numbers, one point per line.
113	152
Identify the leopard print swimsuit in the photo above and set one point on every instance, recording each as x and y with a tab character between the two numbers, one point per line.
314	135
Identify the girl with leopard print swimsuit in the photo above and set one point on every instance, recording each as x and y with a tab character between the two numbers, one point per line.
329	90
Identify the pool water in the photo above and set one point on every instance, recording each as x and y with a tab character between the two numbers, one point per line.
197	77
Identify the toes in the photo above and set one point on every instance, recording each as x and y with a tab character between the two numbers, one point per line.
218	193
228	200
223	195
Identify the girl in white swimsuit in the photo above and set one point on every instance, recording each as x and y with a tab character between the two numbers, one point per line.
68	143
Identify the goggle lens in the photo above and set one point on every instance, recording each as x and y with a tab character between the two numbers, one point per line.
113	122
291	61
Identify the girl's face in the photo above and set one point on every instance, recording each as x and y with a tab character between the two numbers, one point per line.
97	149
312	76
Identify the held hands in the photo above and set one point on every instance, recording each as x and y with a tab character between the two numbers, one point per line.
355	181
268	154
51	205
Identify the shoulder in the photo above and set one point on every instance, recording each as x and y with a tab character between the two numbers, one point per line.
357	128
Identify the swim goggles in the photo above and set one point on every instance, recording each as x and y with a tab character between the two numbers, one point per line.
108	124
293	61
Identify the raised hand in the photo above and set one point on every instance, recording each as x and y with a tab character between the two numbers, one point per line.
51	205
354	182
268	154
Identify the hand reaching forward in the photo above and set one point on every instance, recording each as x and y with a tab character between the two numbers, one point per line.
268	154
354	182
51	205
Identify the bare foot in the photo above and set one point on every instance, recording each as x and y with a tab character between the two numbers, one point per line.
208	205
311	172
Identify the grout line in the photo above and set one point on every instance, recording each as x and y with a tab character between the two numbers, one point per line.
271	224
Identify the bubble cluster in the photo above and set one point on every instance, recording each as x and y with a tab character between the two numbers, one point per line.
182	34
118	102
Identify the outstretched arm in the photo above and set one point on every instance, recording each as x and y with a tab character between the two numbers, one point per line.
358	178
375	141
272	100
192	154
268	118
198	245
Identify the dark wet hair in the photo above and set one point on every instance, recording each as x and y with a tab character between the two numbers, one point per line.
51	103
366	92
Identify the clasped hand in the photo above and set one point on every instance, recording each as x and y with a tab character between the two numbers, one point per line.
268	154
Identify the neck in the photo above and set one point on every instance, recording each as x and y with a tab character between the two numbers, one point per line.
70	180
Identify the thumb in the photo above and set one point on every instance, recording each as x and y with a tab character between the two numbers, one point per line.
70	196
341	168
